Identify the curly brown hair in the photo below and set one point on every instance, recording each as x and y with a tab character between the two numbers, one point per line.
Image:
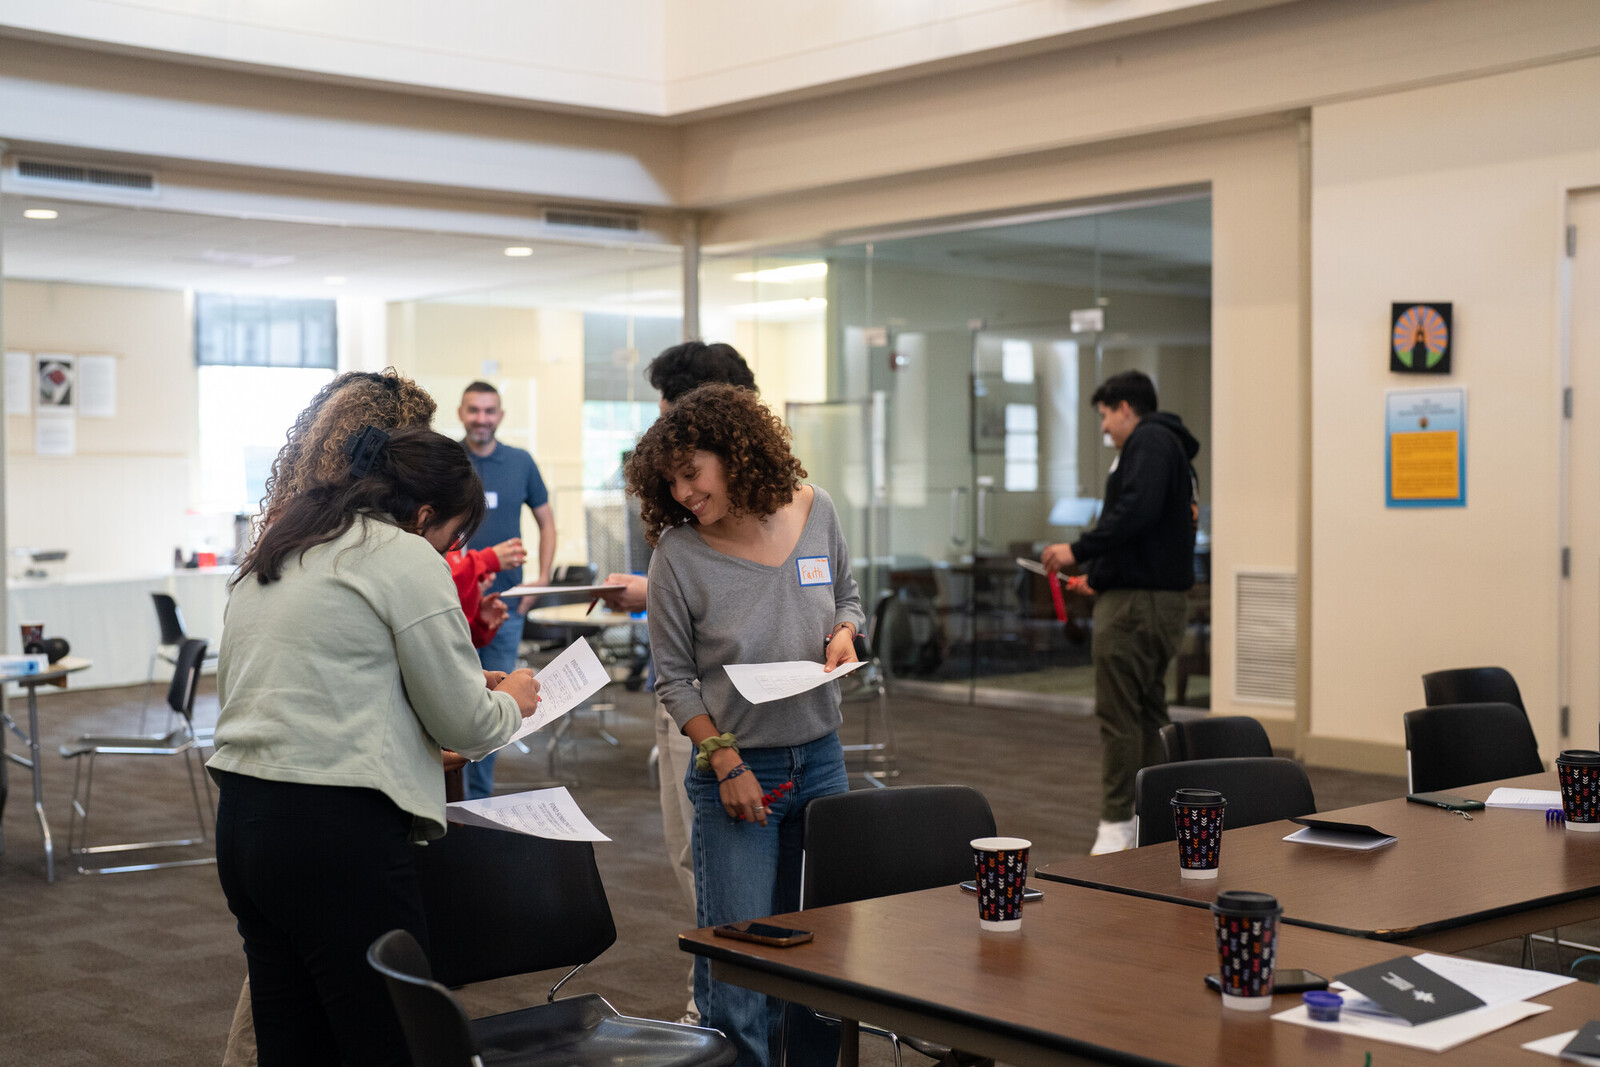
730	422
314	450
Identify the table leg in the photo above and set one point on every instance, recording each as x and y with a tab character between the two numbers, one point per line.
5	778
849	1043
38	784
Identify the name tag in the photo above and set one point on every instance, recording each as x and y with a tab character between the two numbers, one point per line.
814	570
491	499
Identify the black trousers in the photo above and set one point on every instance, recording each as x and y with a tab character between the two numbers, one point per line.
315	874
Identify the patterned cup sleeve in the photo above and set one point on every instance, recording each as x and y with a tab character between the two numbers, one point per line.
1002	875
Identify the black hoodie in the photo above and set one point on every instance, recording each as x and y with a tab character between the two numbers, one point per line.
1145	536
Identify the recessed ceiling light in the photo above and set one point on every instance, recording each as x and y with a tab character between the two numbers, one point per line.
519	250
40	213
334	279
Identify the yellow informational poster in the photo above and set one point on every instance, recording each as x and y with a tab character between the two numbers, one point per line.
1425	465
1426	462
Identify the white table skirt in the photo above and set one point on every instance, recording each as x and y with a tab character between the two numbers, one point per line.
110	618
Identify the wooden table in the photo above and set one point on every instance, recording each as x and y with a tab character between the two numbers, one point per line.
1446	884
55	675
1091	978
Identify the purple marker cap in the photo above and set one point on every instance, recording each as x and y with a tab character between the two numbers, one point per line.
1323	1006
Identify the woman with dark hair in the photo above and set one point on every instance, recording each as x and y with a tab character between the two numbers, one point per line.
750	567
345	666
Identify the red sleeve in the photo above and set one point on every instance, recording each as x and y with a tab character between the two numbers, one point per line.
488	562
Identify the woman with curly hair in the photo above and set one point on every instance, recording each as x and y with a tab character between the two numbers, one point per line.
314	450
314	454
750	567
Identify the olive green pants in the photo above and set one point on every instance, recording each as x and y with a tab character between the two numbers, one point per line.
1136	634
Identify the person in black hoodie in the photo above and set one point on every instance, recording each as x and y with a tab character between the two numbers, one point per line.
1139	561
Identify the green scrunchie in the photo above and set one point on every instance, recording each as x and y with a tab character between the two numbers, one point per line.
702	762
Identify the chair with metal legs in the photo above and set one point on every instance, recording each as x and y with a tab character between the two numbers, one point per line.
170	618
179	741
869	686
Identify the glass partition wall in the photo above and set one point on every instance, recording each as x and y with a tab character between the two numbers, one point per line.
566	348
938	386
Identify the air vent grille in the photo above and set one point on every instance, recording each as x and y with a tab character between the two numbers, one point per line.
591	220
37	170
1264	670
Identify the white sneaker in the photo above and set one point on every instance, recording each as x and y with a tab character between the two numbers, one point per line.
1112	837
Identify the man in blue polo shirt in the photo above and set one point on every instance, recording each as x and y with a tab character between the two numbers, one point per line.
510	480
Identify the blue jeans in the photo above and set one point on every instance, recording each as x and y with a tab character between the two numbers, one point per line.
748	871
500	654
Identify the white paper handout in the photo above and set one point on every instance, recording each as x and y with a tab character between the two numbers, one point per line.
1033	566
761	682
1530	799
566	681
1555	1043
548	813
1437	1036
571	590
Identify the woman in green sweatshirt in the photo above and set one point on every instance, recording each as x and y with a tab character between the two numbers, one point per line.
345	666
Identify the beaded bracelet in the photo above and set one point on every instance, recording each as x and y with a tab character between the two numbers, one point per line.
736	772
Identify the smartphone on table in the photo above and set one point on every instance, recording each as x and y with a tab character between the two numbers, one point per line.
1029	894
1447	801
1286	980
763	933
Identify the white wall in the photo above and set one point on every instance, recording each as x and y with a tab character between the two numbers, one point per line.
1452	193
642	56
598	54
120	503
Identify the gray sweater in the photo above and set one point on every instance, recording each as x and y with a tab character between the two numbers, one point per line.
708	609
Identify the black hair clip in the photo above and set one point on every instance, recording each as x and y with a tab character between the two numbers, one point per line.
364	448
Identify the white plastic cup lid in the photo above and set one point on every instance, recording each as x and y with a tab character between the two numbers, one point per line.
1000	844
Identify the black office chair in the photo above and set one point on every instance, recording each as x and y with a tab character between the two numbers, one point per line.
869	686
1471	685
1258	789
180	741
170	618
1453	745
1222	737
878	842
501	904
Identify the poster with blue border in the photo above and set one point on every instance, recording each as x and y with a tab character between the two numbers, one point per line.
1425	448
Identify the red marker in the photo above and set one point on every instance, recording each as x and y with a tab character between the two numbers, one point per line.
592	603
1061	604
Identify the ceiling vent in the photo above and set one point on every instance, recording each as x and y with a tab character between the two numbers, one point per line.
1264	667
43	174
591	220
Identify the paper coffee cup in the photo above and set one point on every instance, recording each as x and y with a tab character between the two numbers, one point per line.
1578	770
1002	874
1247	945
1197	822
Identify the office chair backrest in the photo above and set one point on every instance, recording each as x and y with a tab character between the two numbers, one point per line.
1258	789
186	677
436	1028
1462	744
877	842
170	618
1471	685
500	903
1222	737
1172	742
574	574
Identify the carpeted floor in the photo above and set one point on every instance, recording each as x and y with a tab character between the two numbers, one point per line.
144	968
